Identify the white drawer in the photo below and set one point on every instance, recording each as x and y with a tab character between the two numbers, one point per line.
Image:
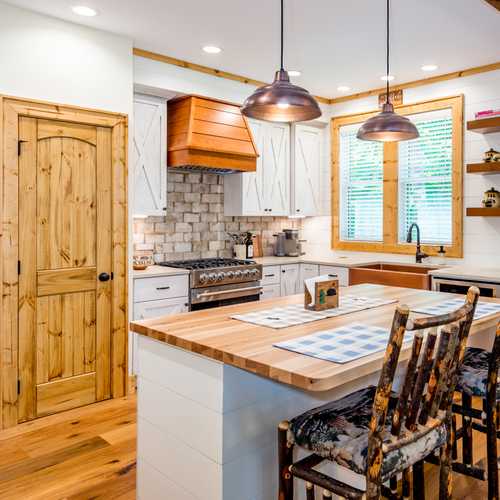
270	291
161	287
341	272
156	308
270	275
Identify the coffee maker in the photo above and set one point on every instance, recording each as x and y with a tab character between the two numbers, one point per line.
293	245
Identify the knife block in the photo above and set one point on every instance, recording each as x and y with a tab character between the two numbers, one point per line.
326	295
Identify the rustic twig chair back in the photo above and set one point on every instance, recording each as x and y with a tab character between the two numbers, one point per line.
478	377
399	431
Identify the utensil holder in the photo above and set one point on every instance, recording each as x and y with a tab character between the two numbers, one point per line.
326	296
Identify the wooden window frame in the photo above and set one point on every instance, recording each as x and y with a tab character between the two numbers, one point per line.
390	242
11	108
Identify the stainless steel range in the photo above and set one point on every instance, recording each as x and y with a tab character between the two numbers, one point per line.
218	282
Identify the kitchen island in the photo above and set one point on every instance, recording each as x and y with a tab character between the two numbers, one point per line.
212	390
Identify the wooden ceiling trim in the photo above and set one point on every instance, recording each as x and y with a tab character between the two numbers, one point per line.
418	83
207	70
494	3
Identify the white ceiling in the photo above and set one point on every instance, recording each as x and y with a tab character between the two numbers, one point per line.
333	42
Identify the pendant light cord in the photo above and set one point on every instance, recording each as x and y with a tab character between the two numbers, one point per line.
387	52
281	67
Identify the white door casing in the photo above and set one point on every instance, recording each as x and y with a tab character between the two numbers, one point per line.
150	155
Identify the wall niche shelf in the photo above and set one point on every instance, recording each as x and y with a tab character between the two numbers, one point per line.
485	125
485	168
483	212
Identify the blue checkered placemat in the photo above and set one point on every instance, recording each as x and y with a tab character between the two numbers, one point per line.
483	309
342	344
296	314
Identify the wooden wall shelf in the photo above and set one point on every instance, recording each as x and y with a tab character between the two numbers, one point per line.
492	167
483	212
485	125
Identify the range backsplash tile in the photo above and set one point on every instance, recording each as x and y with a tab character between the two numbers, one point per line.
195	225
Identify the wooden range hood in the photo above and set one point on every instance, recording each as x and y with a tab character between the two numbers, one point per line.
208	134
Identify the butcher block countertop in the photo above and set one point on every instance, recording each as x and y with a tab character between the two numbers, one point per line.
213	334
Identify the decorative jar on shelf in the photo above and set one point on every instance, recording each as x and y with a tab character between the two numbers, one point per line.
491	198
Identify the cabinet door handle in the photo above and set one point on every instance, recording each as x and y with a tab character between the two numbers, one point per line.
163	288
268	275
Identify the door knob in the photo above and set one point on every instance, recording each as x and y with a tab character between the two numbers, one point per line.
104	277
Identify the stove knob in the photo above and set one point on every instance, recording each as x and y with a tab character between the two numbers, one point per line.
220	276
255	272
246	273
203	277
212	277
238	274
230	275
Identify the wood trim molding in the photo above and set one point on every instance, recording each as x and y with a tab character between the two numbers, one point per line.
11	108
494	3
390	217
418	83
207	70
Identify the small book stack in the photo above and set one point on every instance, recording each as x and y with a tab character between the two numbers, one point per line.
487	113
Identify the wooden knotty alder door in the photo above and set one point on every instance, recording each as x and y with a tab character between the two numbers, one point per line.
65	265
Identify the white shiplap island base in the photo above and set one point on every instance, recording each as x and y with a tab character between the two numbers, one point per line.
208	429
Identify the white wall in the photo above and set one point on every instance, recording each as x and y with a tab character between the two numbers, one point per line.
45	58
481	234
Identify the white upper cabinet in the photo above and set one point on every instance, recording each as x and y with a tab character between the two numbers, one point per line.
267	190
150	155
306	171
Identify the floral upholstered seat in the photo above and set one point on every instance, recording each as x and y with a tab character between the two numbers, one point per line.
339	430
473	375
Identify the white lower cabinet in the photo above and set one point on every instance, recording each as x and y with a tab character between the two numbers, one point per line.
289	279
155	308
341	272
270	291
308	271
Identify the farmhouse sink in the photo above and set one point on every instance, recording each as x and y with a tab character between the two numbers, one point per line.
403	275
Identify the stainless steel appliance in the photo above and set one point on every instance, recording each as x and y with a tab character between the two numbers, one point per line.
279	245
293	246
454	285
220	282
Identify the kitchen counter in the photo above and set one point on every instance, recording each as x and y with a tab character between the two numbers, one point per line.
212	391
469	272
341	261
153	271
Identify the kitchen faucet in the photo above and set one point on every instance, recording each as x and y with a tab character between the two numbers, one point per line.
419	255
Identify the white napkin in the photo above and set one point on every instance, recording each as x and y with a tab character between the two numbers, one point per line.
311	285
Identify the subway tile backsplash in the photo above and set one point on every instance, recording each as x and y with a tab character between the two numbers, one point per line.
195	225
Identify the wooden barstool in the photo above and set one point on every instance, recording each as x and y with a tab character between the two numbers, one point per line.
377	433
478	377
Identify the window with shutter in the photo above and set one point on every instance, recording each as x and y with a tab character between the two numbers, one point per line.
425	179
379	189
362	176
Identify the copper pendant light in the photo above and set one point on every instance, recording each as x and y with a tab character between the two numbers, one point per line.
387	126
281	101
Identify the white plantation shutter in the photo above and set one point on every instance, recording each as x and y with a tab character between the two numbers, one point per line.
425	178
361	187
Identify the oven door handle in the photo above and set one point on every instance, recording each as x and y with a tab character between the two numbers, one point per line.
233	290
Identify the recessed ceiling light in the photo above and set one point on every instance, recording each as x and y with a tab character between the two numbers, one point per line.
294	72
83	10
212	49
343	88
429	67
387	78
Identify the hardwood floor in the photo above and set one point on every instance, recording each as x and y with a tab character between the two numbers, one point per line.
86	453
89	453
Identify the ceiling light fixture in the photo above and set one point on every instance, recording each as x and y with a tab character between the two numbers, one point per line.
281	101
343	88
387	126
83	10
429	67
212	49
